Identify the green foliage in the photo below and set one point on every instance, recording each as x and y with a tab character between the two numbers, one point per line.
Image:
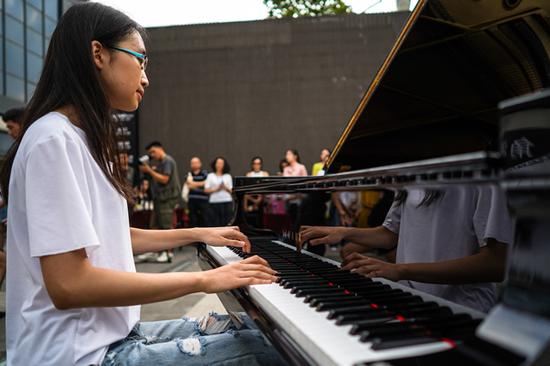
302	8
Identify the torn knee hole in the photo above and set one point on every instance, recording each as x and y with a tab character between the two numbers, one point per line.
190	346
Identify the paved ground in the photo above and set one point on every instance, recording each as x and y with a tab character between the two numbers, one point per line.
190	305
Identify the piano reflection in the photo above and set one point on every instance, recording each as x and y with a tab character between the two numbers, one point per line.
455	125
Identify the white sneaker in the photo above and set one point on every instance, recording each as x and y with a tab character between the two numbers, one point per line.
163	258
145	257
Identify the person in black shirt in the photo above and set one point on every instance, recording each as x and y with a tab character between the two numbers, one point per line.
198	200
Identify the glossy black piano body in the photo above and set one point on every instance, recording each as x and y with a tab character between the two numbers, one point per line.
431	119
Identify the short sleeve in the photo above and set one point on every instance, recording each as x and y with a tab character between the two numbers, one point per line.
492	220
164	168
393	217
208	184
59	220
169	167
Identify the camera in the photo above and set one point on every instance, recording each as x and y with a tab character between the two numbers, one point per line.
144	159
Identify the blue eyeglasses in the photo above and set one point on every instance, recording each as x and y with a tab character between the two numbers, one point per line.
140	56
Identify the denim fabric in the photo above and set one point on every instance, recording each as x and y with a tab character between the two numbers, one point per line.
212	340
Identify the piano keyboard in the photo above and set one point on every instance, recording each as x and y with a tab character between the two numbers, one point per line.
340	318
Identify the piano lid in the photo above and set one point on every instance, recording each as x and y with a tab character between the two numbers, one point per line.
437	92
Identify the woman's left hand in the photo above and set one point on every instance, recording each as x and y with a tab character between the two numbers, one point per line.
371	267
224	236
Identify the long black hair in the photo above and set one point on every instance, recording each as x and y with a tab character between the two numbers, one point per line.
226	167
430	196
70	78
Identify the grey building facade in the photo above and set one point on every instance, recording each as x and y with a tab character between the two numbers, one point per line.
258	88
26	27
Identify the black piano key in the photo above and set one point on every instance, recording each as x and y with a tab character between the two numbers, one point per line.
441	331
375	319
404	335
404	342
399	325
349	316
289	284
290	270
383	299
361	282
344	275
314	286
298	277
366	287
397	307
379	292
329	305
342	294
306	277
413	326
350	279
334	313
328	271
440	311
301	292
465	331
391	302
364	316
314	300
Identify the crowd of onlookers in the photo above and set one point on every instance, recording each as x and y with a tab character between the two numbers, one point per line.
205	197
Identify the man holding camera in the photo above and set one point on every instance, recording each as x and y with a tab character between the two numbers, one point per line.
165	186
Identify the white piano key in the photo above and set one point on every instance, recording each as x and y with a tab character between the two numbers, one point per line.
320	338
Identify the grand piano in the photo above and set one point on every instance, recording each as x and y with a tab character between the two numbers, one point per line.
460	100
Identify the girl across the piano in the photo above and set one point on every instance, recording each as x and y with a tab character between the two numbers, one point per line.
72	287
450	243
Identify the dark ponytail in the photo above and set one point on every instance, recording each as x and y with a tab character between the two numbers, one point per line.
70	78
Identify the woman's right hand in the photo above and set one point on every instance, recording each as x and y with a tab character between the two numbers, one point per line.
317	235
250	271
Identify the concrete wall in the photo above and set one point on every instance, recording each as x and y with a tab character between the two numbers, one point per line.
257	88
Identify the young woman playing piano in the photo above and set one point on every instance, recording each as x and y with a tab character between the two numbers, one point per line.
450	243
72	288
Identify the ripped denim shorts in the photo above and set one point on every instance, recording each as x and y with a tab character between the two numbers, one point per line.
211	340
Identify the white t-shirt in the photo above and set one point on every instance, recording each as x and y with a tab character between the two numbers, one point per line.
214	181
454	226
254	174
61	201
